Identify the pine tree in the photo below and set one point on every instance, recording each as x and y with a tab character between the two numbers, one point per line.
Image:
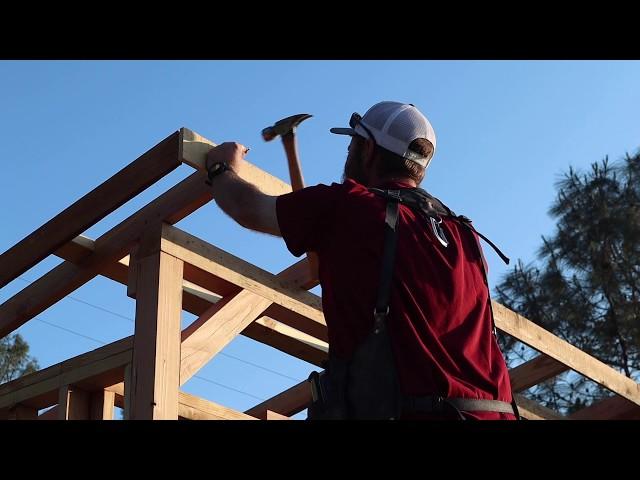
585	287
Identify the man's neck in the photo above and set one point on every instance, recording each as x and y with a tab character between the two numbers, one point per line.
376	182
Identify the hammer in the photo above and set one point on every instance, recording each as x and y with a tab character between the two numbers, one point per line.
286	129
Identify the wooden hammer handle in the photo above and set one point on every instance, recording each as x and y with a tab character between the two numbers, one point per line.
297	183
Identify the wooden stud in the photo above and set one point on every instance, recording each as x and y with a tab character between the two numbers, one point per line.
132	272
156	345
101	406
125	389
73	403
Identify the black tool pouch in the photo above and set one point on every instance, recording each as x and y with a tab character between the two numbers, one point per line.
328	390
373	392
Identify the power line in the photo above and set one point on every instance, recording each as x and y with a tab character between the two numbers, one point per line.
132	320
229	388
97	307
71	331
101	342
104	343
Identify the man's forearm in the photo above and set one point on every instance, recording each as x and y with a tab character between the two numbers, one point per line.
243	202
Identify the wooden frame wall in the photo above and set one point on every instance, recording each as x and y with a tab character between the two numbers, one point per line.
171	270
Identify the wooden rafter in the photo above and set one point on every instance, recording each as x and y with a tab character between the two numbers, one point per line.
172	206
95	205
545	342
614	408
535	371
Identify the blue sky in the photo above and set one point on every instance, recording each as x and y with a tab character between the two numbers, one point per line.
506	131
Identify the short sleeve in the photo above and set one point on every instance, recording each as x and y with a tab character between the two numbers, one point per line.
305	217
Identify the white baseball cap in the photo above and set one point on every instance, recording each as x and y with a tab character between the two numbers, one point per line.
393	126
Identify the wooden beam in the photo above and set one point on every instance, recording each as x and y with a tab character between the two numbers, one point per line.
173	205
95	205
92	370
194	153
546	342
614	408
293	346
73	403
289	332
101	406
534	411
535	371
305	307
156	345
522	376
125	392
196	408
191	407
288	403
276	416
132	272
196	300
215	328
298	276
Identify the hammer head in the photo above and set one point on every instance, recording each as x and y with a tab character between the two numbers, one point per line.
284	126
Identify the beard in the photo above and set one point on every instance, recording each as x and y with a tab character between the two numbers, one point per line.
353	168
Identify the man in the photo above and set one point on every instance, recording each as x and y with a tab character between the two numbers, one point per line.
440	324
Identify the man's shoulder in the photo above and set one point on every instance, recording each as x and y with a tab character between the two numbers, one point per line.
348	187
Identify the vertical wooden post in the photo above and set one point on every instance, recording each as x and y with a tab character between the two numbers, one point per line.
132	278
73	403
155	370
102	403
128	386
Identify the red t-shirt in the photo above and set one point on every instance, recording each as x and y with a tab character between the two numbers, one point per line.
440	322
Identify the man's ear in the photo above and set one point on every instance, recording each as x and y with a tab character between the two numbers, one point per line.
368	153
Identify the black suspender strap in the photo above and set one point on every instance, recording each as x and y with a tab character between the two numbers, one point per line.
381	311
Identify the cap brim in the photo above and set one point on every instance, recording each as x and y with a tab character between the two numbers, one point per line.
343	131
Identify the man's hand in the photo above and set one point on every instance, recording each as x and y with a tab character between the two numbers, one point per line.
232	153
240	200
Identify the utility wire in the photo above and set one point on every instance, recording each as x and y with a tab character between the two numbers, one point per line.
73	332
